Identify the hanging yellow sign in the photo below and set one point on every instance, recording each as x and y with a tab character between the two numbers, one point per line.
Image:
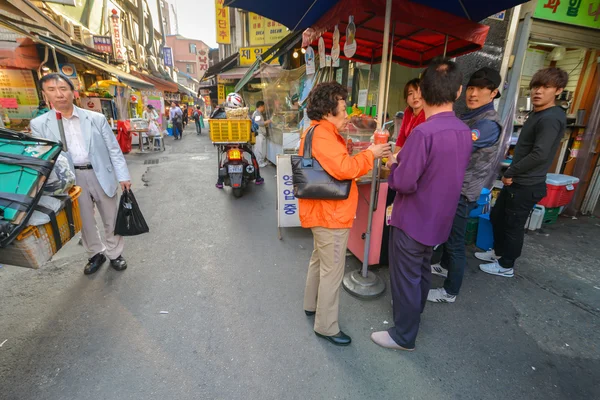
263	31
221	93
222	22
248	55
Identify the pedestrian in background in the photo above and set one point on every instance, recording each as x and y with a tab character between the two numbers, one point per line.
151	116
176	117
331	220
185	114
427	178
485	125
99	168
41	110
525	180
198	118
260	148
413	115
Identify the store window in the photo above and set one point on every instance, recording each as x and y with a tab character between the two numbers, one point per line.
189	68
192	48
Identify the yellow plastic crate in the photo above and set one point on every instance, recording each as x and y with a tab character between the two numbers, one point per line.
35	244
230	130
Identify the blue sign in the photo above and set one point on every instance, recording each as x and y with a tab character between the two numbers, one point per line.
168	55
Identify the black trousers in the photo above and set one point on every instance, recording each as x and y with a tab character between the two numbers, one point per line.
509	215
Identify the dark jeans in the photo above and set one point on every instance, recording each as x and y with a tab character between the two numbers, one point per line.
509	215
177	129
198	127
454	257
410	278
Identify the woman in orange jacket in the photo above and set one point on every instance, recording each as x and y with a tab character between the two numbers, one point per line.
331	220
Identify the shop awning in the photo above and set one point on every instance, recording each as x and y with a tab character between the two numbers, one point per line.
185	90
221	66
281	47
159	84
89	59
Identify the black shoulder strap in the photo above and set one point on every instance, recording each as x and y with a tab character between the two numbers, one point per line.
307	154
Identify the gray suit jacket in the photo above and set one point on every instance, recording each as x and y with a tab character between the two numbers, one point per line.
104	151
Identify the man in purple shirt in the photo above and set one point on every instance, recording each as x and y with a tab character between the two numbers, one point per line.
427	178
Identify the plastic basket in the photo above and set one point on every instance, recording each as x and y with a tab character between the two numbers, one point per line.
551	215
35	245
230	130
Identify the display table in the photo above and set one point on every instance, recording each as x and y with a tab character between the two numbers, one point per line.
379	231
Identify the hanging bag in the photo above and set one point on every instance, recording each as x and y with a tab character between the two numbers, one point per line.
130	221
311	181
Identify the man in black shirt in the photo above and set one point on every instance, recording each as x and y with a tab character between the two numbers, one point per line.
525	180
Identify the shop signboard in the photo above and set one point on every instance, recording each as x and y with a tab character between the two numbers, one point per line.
168	56
264	31
18	93
222	22
202	62
287	203
584	13
91	103
169	96
103	44
362	98
119	51
70	71
248	55
221	93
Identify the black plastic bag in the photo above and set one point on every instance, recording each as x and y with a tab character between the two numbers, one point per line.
130	221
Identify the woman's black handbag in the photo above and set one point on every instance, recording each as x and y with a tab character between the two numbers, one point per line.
311	181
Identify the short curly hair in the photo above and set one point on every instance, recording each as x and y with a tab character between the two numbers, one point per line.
323	100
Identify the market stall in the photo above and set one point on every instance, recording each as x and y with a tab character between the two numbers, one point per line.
418	33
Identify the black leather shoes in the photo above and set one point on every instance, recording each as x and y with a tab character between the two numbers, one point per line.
119	263
94	264
341	339
309	313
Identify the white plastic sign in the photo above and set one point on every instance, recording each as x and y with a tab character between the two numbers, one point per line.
309	58
287	203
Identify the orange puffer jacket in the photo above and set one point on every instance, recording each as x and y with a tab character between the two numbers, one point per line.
329	148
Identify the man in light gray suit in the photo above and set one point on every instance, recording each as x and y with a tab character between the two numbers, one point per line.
99	166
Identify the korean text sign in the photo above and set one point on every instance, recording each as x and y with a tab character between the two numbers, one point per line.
575	12
248	55
287	203
222	22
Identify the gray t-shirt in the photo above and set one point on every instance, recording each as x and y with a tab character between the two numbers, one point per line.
260	121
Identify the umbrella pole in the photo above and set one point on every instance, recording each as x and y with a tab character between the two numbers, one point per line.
367	107
389	72
445	46
365	283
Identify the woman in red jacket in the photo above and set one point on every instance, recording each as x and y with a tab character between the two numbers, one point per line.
413	115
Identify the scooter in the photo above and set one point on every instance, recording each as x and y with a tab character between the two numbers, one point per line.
234	169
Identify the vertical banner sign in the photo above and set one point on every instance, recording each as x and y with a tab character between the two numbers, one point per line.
287	203
350	45
309	59
103	44
222	19
168	55
119	51
256	25
221	93
335	48
203	61
322	56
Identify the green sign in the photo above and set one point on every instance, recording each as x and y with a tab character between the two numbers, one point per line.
575	12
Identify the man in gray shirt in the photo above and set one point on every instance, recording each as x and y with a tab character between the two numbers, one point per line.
260	148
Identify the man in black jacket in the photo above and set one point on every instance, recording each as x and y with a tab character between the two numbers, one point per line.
485	126
525	180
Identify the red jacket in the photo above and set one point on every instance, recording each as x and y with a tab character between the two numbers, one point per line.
409	122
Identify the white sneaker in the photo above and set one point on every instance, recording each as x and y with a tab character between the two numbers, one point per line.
495	269
489	256
440	296
437	269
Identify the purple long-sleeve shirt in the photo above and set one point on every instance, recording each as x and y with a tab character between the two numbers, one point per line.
428	178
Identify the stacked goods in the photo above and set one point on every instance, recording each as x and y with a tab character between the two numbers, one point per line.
25	165
237	113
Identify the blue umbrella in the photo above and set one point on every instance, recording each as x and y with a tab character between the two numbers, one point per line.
301	14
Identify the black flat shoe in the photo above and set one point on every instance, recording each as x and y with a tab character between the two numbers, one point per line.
309	313
94	264
341	339
119	263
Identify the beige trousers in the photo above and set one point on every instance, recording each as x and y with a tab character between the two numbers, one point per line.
325	274
92	193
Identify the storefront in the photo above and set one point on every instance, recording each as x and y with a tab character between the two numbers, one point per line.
566	35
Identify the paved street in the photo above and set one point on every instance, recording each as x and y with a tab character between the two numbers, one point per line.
235	328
